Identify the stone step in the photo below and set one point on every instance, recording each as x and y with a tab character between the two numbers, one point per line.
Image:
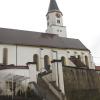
48	94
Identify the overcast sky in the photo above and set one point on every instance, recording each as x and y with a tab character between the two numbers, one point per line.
81	17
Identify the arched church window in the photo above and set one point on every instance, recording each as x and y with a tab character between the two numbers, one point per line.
60	30
58	21
48	23
63	59
36	59
68	51
75	52
47	62
48	17
86	61
5	56
79	57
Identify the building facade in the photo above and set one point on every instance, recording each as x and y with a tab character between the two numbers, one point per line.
18	47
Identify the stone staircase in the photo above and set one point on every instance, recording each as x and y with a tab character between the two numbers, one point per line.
45	90
77	62
49	88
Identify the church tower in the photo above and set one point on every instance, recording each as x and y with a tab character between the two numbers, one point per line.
54	20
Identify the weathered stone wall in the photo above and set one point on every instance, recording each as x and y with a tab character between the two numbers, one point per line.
81	84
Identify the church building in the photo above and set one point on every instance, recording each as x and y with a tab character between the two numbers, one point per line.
26	54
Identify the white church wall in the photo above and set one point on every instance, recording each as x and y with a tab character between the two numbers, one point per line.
1	54
82	54
55	24
32	72
11	53
10	74
92	62
20	72
25	54
61	80
57	75
7	74
44	52
53	19
60	30
62	53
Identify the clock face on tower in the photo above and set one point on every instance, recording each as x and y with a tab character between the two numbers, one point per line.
57	15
